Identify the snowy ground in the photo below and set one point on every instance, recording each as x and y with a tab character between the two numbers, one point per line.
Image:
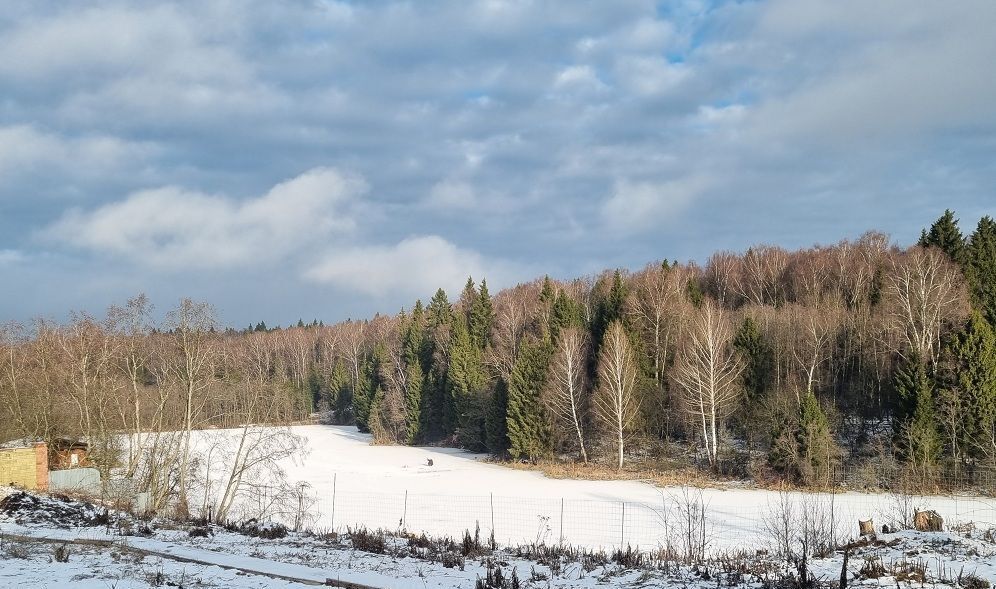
355	483
171	557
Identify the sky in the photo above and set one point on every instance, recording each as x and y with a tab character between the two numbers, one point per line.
330	159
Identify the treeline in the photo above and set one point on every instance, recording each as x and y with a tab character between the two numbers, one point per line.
770	361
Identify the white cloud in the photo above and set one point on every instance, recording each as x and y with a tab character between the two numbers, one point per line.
416	266
639	206
24	149
175	228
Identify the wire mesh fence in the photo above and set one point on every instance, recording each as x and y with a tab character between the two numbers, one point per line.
683	519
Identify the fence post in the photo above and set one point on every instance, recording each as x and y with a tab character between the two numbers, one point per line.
622	527
404	514
561	521
492	514
334	476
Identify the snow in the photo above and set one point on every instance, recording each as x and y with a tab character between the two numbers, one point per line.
171	557
359	484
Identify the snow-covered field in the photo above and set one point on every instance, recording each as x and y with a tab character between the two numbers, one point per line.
169	556
358	484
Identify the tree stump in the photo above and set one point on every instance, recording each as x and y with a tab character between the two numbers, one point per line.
866	527
928	521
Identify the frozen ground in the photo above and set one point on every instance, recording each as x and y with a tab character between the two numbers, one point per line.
355	483
170	557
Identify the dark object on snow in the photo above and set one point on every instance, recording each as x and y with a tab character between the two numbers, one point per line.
886	529
200	532
866	527
258	529
928	521
429	462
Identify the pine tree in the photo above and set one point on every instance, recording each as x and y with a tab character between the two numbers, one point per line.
528	430
969	364
945	235
980	268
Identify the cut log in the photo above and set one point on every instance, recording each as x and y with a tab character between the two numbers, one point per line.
866	527
928	521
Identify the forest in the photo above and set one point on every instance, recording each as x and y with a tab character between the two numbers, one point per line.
772	364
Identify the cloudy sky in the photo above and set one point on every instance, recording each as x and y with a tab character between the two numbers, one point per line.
315	158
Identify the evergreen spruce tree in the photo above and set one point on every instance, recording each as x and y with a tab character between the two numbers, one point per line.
341	394
910	378
467	381
482	317
920	440
371	381
566	312
413	345
437	409
945	235
980	268
970	373
496	421
528	428
817	450
760	361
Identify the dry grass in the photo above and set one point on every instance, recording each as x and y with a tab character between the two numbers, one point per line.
593	471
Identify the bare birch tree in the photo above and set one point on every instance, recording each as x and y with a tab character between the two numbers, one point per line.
188	362
566	395
926	292
132	324
708	373
615	399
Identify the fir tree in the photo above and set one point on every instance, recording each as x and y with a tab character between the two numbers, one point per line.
980	268
817	450
528	430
